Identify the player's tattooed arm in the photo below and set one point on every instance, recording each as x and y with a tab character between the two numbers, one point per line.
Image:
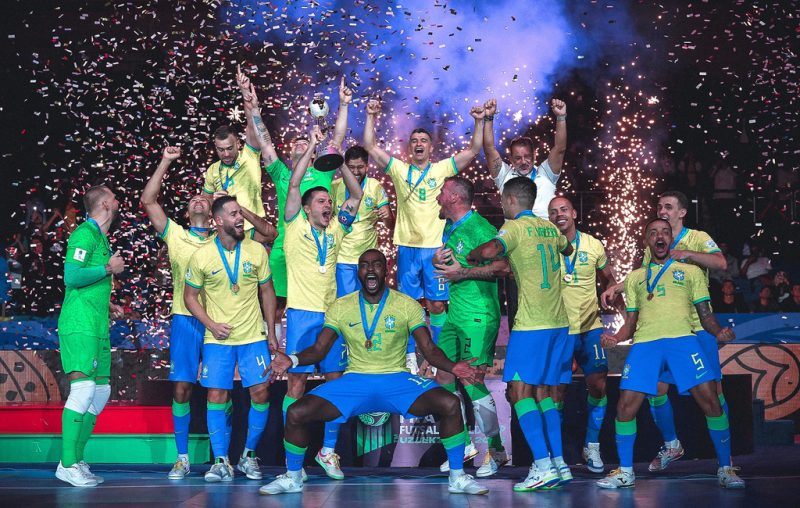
498	268
356	193
265	232
268	154
710	323
485	252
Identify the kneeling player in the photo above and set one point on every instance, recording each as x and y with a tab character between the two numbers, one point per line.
660	299
376	323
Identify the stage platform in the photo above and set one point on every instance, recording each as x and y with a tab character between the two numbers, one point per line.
772	475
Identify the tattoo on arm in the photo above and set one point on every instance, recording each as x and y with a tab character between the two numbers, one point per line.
707	318
497	164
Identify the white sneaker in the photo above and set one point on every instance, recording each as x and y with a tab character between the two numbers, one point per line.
330	463
282	484
564	474
617	479
470	452
249	466
84	467
220	472
492	462
74	476
465	484
179	470
591	455
728	478
665	457
538	479
303	474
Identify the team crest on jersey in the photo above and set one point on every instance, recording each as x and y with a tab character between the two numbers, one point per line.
678	275
583	257
247	267
432	183
369	202
626	370
460	246
389	323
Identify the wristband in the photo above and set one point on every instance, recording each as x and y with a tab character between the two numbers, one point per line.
488	118
295	360
561	118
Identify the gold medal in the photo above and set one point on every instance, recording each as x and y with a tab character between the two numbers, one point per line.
368	344
234	288
649	296
322	269
568	277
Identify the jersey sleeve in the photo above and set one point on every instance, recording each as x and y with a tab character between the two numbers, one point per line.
706	244
602	259
562	243
80	246
381	198
507	236
415	315
252	153
195	276
170	233
210	181
631	299
277	170
332	317
698	289
262	271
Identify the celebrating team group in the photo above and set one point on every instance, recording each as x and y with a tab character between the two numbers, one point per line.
236	276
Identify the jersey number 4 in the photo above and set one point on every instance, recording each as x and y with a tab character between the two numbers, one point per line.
555	264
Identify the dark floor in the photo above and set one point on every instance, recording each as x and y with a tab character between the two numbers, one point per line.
772	475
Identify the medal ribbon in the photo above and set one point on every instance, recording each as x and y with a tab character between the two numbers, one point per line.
679	238
369	332
322	250
651	287
453	225
233	277
421	177
569	264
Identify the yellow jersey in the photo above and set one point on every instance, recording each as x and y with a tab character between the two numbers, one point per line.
310	285
401	315
363	237
181	244
695	241
418	223
242	180
533	248
240	309
580	292
669	314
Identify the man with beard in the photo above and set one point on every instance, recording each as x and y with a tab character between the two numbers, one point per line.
663	299
693	247
314	241
83	326
186	333
579	273
376	323
232	272
418	230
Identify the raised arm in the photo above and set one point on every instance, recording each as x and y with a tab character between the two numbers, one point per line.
464	157
244	87
380	156
340	127
556	156
293	198
149	199
262	137
354	189
265	232
493	158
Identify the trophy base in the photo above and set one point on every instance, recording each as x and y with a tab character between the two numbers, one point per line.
328	162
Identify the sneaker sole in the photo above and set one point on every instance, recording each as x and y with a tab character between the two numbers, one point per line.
543	486
218	480
481	474
457	491
325	468
732	487
64	479
614	487
265	493
251	476
595	469
657	470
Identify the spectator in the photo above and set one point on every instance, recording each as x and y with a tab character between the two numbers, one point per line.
783	289
754	267
730	301
792	304
766	301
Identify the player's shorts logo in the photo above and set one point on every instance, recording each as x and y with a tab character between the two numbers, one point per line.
626	370
583	257
678	275
247	267
205	371
389	322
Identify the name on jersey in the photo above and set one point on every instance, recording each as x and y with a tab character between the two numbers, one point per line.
543	232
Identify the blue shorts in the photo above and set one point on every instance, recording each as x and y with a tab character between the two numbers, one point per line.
302	329
346	279
648	362
536	357
589	354
355	394
185	344
219	361
708	343
415	276
567	354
